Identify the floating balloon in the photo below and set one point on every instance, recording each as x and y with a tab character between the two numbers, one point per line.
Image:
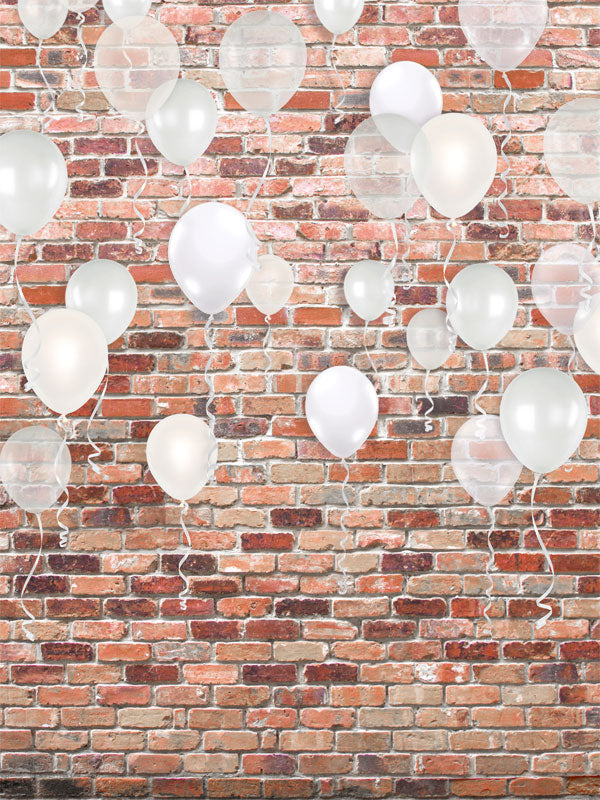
43	18
408	90
543	415
121	9
482	305
429	341
503	32
587	339
379	173
341	409
262	59
453	162
132	59
369	289
64	357
483	462
35	466
33	181
565	283
184	122
106	292
271	284
572	148
338	16
212	254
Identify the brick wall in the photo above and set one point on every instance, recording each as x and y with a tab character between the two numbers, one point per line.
272	684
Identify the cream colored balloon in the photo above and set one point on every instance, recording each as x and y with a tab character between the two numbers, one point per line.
271	285
587	340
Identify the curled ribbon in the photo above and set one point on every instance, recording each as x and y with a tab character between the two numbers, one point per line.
346	580
97	410
392	311
188	199
267	167
368	354
188	544
483	386
333	64
427	414
451	227
506	170
488	567
28	633
210	382
15	279
540	600
38	61
83	63
67	429
136	236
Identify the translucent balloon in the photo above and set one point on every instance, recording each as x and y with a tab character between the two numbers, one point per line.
572	148
565	283
378	172
483	462
132	59
120	9
43	18
429	341
369	289
35	465
262	59
338	16
408	90
587	339
271	284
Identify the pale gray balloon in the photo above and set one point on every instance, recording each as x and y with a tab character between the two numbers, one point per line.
184	121
406	89
482	305
369	289
271	284
43	18
105	291
342	408
543	415
338	16
120	9
35	465
33	181
429	340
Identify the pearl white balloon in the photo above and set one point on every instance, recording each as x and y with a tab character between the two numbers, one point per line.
543	415
212	254
408	90
429	341
369	289
453	162
64	358
43	18
35	466
184	121
33	181
271	284
82	5
587	340
483	462
262	59
482	304
338	16
106	292
503	32
341	408
120	9
178	452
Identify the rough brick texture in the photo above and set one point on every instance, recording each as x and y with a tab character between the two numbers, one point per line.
272	683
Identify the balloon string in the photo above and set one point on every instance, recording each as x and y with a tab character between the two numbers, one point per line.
345	585
368	354
267	167
392	310
489	566
28	633
483	386
406	275
504	174
38	59
137	195
63	425
210	383
184	507
584	277
15	279
188	199
427	415
83	63
540	600
333	63
572	356
593	222
97	410
450	227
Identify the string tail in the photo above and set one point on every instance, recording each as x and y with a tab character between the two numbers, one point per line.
28	633
136	236
63	425
489	566
50	90
97	411
210	383
540	600
505	172
83	63
392	310
368	354
345	585
188	548
34	372
585	279
406	267
483	386
342	100
427	414
573	355
450	291
188	186
593	239
267	167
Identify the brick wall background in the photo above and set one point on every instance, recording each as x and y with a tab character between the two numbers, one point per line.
273	684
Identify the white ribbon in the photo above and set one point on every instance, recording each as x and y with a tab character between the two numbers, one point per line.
346	582
483	386
97	410
450	227
267	167
540	600
136	236
427	414
333	63
505	172
28	633
83	63
63	425
210	382
52	92
188	544
489	566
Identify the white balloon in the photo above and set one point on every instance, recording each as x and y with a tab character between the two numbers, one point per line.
120	9
271	284
483	462
453	163
35	466
106	292
482	304
64	358
341	408
408	90
543	415
587	339
33	181
369	289
184	121
43	18
212	254
429	341
82	5
503	32
178	452
262	59
338	16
